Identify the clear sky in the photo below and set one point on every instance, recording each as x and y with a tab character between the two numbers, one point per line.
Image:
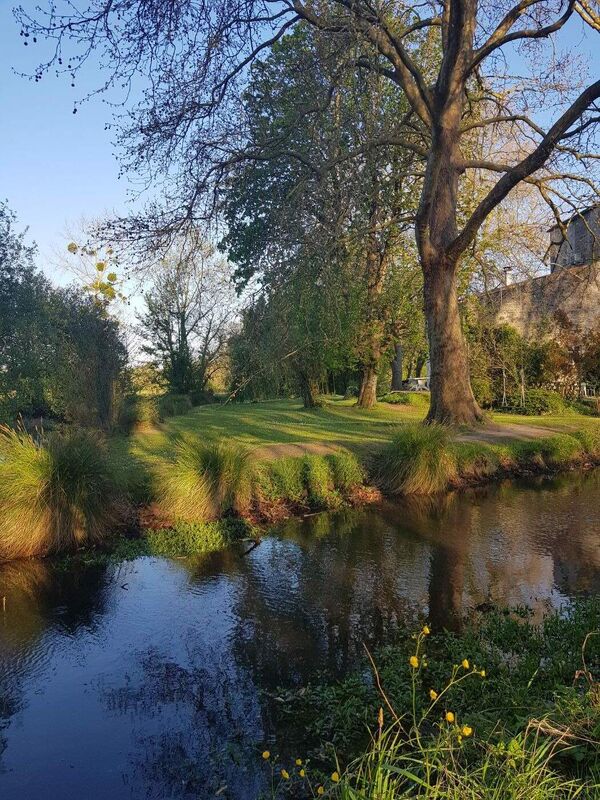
56	166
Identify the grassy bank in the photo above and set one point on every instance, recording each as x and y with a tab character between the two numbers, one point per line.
258	462
506	709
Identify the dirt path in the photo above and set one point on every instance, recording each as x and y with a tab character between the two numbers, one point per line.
505	433
270	451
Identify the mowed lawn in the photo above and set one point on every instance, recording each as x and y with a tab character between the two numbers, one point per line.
283	427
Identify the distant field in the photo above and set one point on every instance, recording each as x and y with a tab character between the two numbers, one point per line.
275	427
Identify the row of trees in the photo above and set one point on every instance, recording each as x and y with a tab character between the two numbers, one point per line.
323	134
61	355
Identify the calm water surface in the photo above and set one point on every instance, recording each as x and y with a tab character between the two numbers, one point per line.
147	679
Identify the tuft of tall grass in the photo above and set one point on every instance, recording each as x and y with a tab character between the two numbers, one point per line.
418	460
346	470
560	450
56	493
205	481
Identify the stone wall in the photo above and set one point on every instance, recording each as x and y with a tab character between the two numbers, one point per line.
535	306
582	245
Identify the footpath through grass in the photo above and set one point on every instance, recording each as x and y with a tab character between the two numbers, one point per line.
280	427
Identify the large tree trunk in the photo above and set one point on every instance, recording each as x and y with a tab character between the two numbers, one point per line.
452	400
367	397
397	369
309	390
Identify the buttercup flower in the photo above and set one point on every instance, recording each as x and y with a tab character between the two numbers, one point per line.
302	773
285	774
320	790
433	694
266	754
298	762
335	777
450	716
426	631
465	663
466	730
482	673
413	661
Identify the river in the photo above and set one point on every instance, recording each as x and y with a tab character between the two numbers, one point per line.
154	678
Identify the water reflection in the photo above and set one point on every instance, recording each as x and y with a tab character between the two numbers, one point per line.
158	679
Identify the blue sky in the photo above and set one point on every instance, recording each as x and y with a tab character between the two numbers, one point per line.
56	167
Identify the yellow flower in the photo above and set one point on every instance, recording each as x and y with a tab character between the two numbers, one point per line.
335	777
426	630
459	738
465	663
302	773
450	716
100	266
482	673
266	754
72	247
466	730
413	661
298	762
433	694
285	774
320	790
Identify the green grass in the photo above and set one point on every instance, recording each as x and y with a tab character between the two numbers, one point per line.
418	460
204	481
183	539
55	494
533	716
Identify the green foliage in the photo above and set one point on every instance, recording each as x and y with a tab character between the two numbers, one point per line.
529	675
536	403
550	452
415	399
313	481
346	470
475	461
282	479
62	355
318	480
172	405
55	494
418	460
205	481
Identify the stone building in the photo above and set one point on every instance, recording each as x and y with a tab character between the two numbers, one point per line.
569	294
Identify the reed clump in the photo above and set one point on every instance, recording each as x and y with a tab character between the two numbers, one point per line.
57	492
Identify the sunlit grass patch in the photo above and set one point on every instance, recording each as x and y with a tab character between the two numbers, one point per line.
204	481
418	460
56	493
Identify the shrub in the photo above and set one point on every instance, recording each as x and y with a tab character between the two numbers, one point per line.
416	399
483	390
139	410
205	481
418	460
172	405
537	402
55	494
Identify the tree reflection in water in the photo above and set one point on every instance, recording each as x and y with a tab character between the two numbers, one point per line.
200	646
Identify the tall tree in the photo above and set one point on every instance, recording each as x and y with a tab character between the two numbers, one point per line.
188	312
197	54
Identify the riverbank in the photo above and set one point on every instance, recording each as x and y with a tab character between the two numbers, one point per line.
505	708
176	674
176	487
